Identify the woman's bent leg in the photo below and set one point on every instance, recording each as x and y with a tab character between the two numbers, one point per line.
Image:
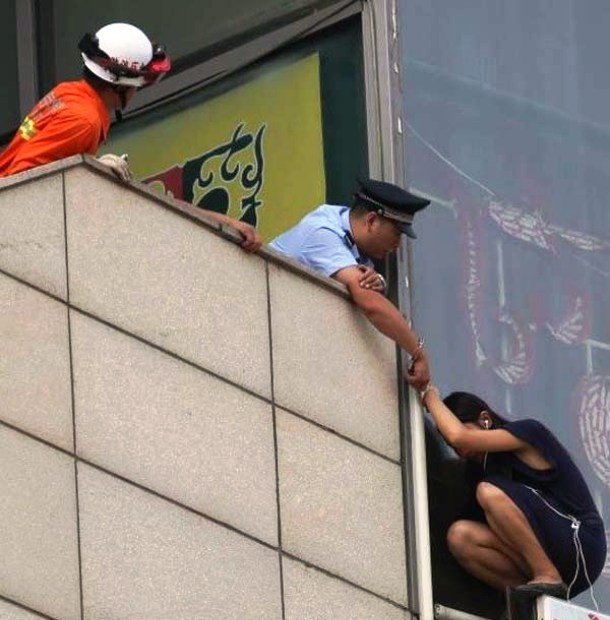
509	524
483	554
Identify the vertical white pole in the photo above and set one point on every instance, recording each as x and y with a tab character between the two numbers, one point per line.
386	161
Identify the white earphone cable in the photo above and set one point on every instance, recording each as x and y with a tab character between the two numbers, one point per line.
577	544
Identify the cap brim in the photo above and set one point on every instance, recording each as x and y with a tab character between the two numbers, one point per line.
407	229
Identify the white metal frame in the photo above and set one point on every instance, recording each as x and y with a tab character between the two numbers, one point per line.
386	161
447	613
548	608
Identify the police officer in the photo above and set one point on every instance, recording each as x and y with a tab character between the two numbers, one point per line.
337	241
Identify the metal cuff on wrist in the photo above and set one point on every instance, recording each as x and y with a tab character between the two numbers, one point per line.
418	351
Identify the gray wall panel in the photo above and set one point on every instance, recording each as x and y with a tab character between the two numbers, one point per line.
313	595
35	365
9	106
341	508
185	27
146	558
38	547
331	364
13	612
32	240
144	268
181	471
173	428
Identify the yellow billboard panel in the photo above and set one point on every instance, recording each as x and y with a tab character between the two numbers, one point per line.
255	153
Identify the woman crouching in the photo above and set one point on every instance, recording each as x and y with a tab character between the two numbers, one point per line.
541	532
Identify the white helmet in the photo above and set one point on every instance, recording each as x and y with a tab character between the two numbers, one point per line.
122	54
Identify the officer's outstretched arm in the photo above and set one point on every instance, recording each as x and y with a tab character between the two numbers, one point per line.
388	320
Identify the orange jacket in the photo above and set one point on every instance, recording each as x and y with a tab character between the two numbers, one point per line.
72	119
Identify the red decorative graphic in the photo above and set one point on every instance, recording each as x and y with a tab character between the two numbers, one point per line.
516	367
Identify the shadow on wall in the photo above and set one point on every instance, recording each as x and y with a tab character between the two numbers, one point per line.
448	494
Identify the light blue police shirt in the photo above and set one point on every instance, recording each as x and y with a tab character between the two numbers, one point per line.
322	240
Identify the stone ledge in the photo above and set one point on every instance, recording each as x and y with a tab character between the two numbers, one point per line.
182	208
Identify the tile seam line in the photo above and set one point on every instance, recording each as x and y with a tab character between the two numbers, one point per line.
193	511
173	355
34	287
141	487
275	443
194	365
73	404
329	573
26	608
332	431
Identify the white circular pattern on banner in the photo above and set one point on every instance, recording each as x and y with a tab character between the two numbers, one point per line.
593	406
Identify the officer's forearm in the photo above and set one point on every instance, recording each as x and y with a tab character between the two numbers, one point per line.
388	320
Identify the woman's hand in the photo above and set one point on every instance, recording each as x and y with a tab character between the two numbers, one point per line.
467	440
371	279
429	391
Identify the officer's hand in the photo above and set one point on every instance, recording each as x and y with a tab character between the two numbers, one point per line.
371	279
252	240
118	165
418	374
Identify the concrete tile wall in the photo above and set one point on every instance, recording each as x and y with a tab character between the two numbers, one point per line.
331	365
312	595
9	611
145	558
173	428
38	545
341	508
186	431
35	363
32	244
143	268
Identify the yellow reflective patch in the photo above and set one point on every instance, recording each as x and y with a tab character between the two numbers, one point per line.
28	128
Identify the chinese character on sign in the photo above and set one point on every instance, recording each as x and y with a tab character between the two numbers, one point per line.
227	178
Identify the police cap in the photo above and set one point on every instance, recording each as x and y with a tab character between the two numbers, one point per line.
392	202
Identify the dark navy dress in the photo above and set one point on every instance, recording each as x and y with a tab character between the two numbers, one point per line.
555	501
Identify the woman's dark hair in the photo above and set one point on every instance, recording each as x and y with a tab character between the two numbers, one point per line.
467	407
